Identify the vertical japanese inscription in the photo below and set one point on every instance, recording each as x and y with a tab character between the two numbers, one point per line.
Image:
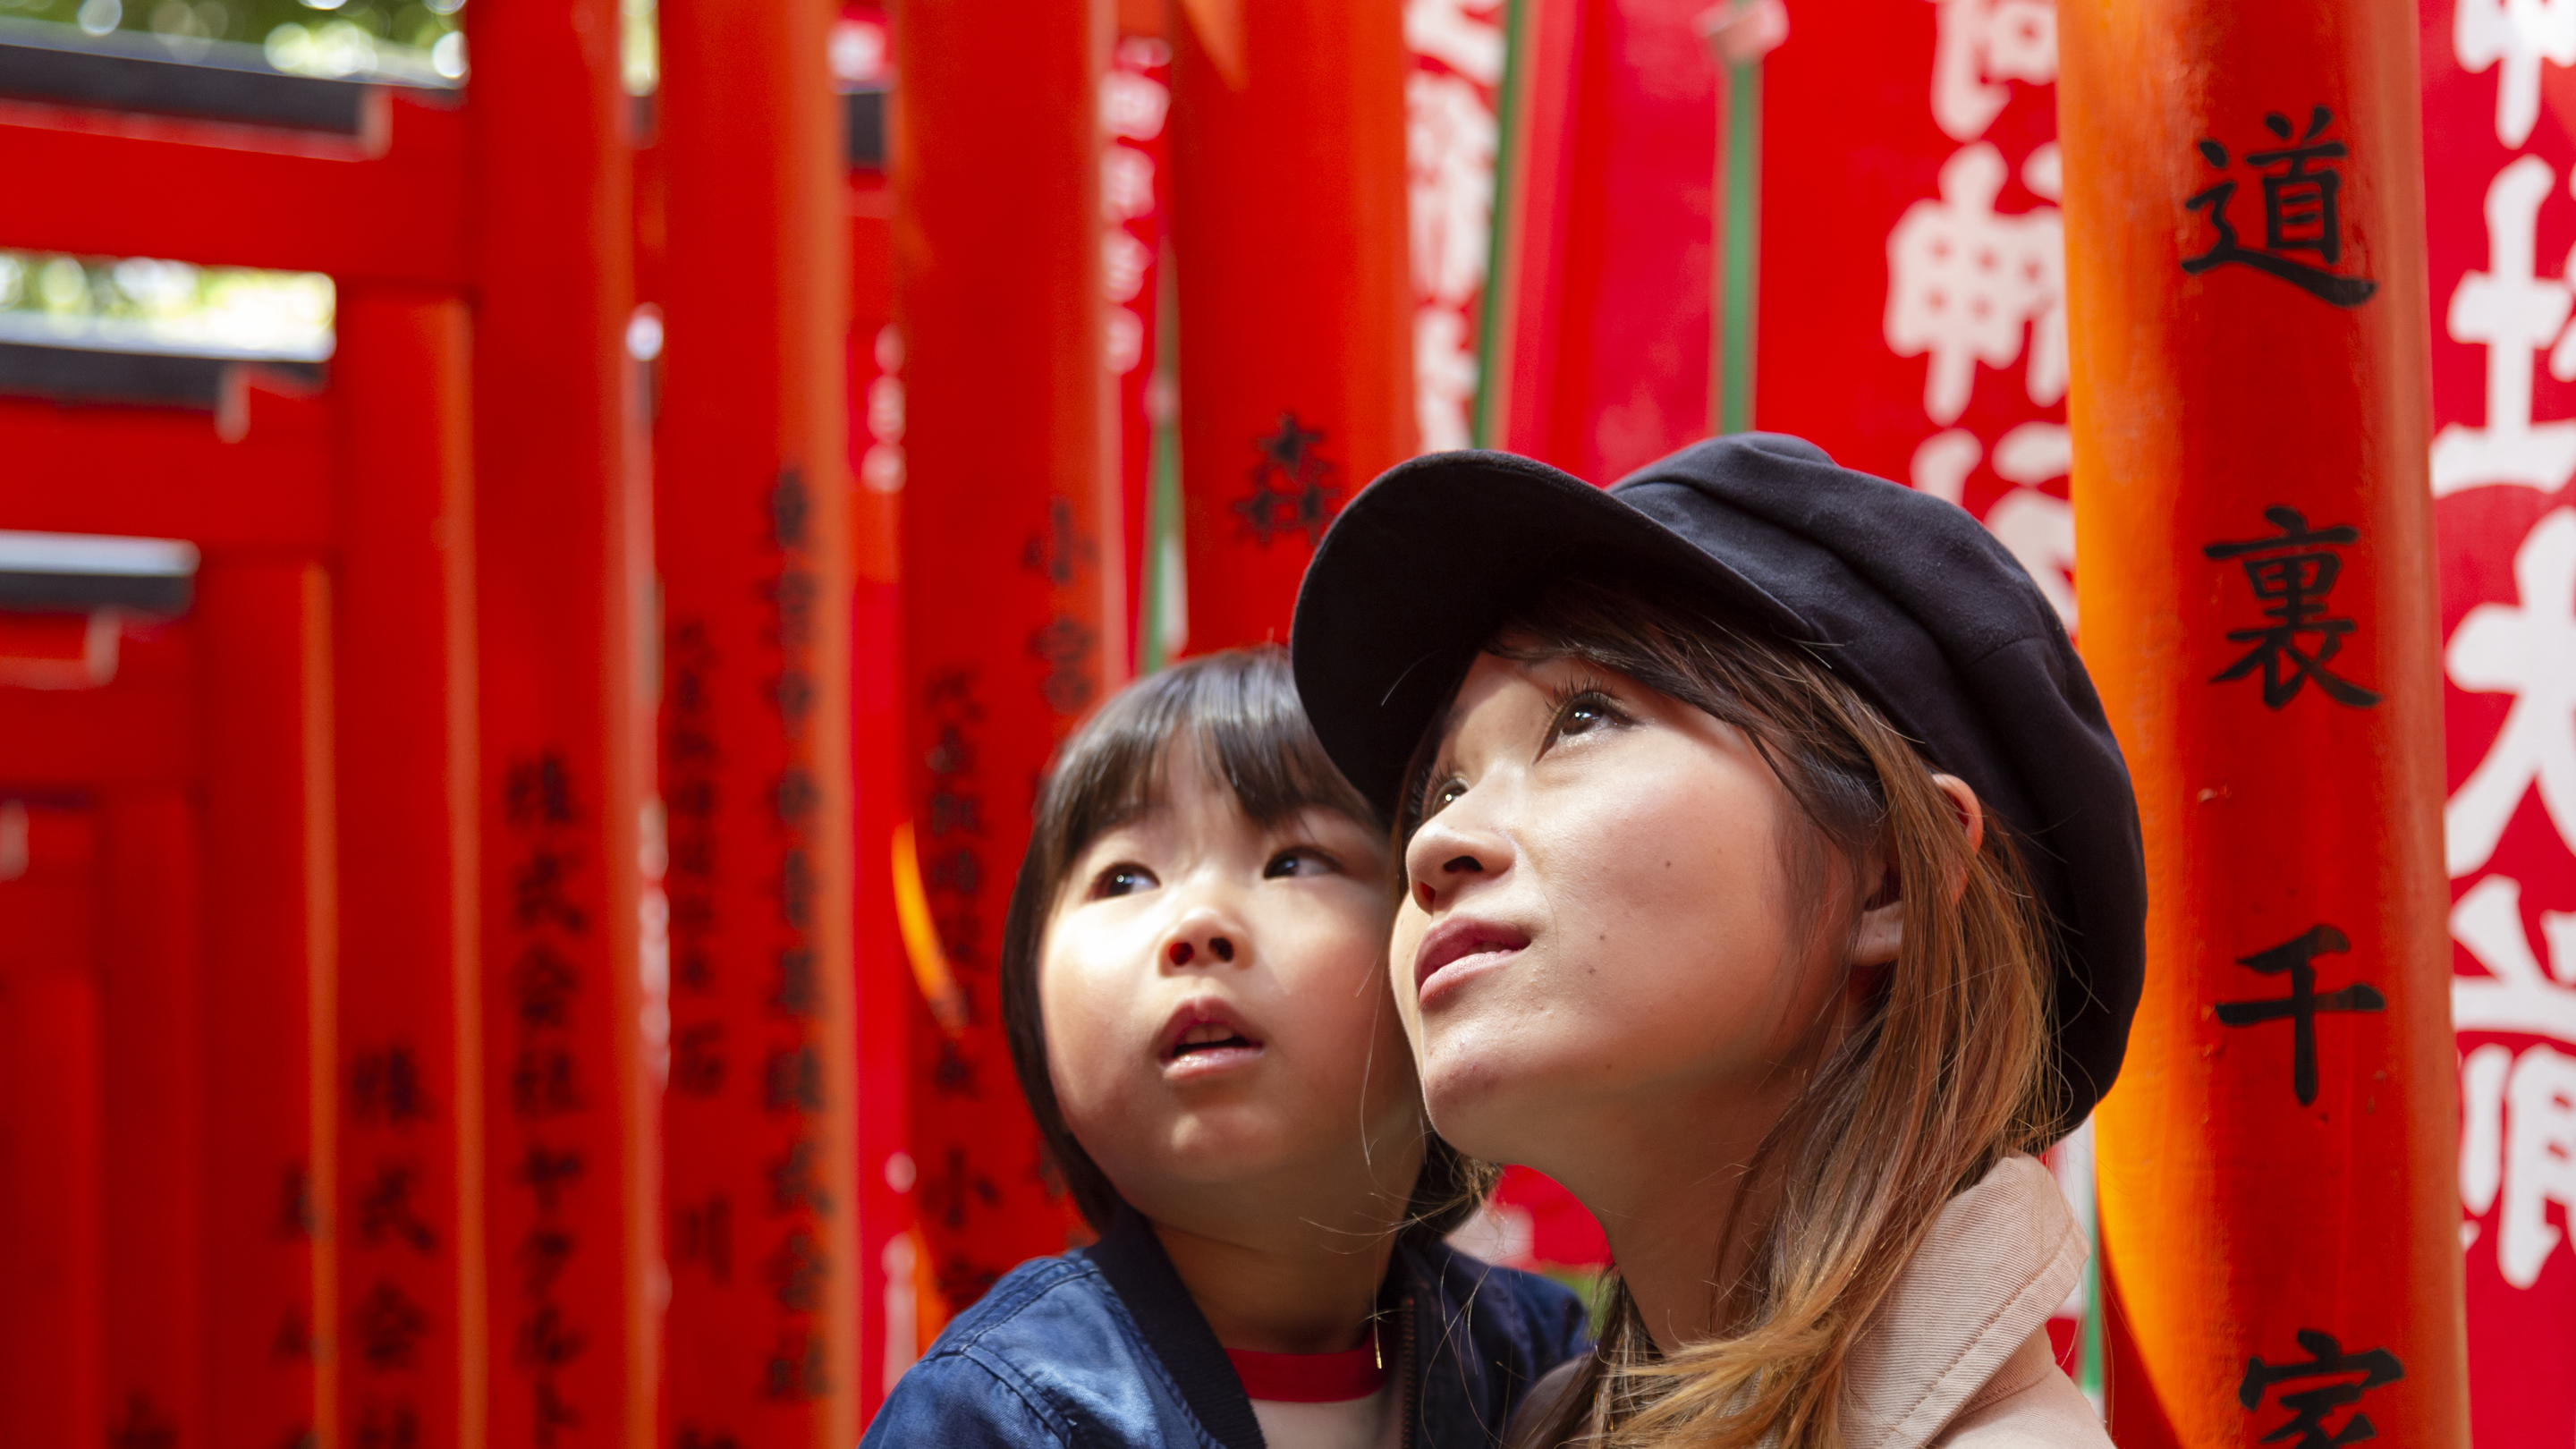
547	925
797	1266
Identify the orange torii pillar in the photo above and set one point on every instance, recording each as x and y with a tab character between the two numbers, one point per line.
2244	239
409	1199
562	588
752	514
1012	579
1296	300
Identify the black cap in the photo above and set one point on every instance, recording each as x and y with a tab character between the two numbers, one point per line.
1899	593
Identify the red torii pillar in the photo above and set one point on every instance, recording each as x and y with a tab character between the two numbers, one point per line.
1013	587
1296	300
2245	276
753	518
561	540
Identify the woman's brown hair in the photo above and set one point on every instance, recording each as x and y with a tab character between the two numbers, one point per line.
1238	710
1944	1074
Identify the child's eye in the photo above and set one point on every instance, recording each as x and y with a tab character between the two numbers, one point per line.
1121	880
1302	861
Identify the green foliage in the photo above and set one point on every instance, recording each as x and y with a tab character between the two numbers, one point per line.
410	25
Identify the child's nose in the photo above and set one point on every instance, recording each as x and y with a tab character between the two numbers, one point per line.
1184	951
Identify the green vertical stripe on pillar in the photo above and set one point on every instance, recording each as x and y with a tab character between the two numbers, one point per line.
1743	235
1507	152
1162	473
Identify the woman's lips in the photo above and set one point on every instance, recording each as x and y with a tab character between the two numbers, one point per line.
1204	1037
1461	947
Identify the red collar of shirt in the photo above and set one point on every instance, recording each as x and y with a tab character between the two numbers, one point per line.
1309	1378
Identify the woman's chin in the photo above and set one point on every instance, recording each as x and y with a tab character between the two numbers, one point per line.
1482	1107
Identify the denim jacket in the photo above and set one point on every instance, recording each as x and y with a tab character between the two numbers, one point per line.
1104	1347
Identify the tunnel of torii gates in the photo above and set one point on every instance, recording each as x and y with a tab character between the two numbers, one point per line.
504	834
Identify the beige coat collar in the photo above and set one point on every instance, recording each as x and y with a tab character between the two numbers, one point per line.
1997	1262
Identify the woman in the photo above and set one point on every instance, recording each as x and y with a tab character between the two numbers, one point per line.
1773	882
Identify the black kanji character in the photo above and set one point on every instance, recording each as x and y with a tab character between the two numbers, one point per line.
703	1233
2292	572
541	1083
796	795
388	1327
543	1255
697	1059
1293	486
2326	1360
548	1172
2303	1003
539	791
2301	213
799	993
947	1193
796	886
797	1271
795	1080
385	1086
789	508
797	1371
1060	548
796	1180
385	1211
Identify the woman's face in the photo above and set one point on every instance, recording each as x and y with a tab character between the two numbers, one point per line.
1600	939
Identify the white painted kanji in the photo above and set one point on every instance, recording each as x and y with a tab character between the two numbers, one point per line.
2514	36
1444	379
1461	34
1450	135
1126	183
1967	284
2518	1110
2526	649
1449	162
2516	315
1983	44
881	467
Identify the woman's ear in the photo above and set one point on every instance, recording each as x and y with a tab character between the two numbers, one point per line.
1882	920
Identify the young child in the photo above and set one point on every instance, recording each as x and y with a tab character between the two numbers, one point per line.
1773	881
1194	984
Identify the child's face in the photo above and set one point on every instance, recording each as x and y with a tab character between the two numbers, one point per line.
1217	1021
1599	942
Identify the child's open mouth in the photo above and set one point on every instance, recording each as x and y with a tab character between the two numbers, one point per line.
1203	1036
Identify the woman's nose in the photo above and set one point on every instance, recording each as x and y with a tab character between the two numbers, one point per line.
1441	859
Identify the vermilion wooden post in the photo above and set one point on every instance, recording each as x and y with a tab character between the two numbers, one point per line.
885	999
272	935
1011	576
2244	239
561	539
1296	302
51	1247
410	1201
753	520
153	1050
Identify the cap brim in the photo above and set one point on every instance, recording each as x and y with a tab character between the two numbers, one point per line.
1423	566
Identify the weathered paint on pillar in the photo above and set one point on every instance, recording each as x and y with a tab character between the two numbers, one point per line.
752	514
2244	239
562	534
410	1195
1296	299
1012	582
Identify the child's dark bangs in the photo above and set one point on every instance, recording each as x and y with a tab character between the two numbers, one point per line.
1253	735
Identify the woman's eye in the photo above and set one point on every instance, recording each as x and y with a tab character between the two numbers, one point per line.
1441	796
1121	880
1300	862
1585	712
